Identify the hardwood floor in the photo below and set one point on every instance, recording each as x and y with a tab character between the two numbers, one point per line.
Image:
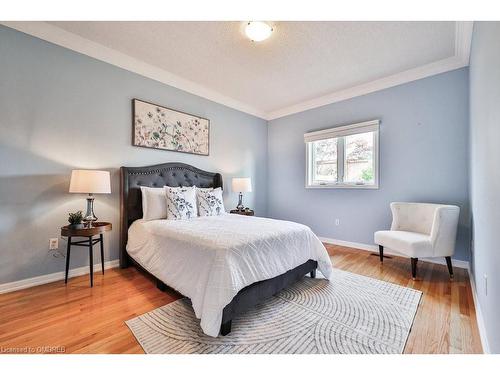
446	318
78	319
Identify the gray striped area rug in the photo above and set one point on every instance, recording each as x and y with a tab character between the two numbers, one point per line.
349	314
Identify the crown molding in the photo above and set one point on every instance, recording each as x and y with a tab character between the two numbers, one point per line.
463	37
56	35
463	40
63	38
424	71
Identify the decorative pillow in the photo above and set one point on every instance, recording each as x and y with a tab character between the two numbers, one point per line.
210	202
154	205
181	203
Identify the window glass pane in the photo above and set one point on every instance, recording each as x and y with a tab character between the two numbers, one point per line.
324	161
359	165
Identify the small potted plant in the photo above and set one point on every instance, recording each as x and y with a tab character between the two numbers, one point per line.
76	220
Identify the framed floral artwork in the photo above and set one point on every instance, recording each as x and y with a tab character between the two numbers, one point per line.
155	126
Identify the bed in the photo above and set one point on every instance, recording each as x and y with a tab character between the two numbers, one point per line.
225	264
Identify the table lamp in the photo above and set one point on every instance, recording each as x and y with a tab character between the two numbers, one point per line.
241	185
90	182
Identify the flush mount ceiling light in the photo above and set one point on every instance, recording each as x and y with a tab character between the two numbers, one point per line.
258	31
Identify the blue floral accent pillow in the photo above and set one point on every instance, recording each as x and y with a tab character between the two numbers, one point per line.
210	202
181	203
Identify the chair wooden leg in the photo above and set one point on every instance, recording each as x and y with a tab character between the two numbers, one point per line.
381	253
414	267
450	267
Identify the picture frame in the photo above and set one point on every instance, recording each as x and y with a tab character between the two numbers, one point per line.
159	127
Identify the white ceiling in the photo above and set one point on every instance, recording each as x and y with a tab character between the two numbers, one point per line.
302	65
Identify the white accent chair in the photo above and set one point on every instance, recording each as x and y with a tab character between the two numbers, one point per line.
421	230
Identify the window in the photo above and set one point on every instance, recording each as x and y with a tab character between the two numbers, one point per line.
343	157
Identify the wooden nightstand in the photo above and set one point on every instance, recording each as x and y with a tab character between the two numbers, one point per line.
97	229
246	212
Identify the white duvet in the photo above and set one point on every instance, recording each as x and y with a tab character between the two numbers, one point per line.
210	259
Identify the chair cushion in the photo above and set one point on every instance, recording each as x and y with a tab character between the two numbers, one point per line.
413	217
412	244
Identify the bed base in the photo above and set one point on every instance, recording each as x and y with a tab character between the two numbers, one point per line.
225	328
161	285
257	292
251	295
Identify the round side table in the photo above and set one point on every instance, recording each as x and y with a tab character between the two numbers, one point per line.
97	229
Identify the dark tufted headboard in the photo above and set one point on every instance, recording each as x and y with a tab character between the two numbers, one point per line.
170	174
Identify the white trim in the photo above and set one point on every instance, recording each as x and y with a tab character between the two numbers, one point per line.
343	186
374	248
340	132
424	71
56	35
479	315
63	38
44	279
354	245
463	40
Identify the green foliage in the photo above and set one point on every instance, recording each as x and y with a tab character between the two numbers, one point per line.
75	217
367	174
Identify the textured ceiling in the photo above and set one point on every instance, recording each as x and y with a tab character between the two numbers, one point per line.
301	60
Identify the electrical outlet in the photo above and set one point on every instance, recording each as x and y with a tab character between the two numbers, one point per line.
53	243
485	284
337	221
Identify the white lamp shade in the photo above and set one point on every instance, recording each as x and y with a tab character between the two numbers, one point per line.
88	181
242	185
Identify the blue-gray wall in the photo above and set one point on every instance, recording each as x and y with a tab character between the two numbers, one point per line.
485	172
61	110
423	158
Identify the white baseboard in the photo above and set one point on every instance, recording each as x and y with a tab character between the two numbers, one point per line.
44	279
479	316
374	248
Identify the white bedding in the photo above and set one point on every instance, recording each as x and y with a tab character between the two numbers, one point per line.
210	259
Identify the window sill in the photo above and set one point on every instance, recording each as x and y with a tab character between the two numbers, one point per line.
342	186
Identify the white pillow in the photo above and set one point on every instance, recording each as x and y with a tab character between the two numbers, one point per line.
209	201
154	205
181	202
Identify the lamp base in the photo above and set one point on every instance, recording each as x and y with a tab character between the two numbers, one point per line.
89	215
240	206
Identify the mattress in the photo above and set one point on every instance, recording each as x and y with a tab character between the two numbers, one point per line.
210	259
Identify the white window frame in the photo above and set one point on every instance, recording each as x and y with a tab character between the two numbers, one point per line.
340	132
